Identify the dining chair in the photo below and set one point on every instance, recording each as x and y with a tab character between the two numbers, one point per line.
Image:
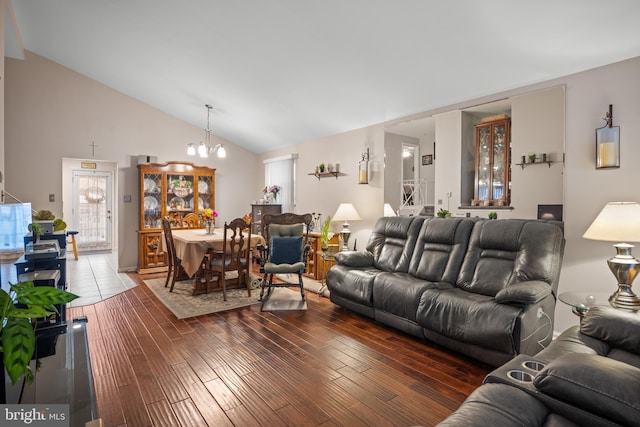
174	261
286	250
192	220
235	256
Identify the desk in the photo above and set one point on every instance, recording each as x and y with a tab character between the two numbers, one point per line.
192	245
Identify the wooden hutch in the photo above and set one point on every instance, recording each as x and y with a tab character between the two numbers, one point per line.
172	190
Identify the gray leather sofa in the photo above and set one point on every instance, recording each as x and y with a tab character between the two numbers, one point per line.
484	288
588	376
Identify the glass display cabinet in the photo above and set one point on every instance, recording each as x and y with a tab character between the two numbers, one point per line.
170	190
493	167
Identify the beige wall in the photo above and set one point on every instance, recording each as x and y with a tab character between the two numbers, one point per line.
54	113
326	194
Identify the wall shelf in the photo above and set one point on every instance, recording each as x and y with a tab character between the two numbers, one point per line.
523	165
326	174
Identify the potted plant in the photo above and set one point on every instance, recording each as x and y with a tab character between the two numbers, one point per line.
321	167
24	302
443	213
493	215
324	233
36	231
532	158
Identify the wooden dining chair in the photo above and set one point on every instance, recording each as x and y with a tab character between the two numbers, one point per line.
192	220
235	256
174	261
286	251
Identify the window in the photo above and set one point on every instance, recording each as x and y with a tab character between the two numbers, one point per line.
282	171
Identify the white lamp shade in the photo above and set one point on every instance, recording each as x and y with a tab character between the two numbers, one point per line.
346	212
191	150
388	210
222	153
202	150
617	222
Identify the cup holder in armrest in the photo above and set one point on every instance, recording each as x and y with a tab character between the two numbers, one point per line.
533	365
520	376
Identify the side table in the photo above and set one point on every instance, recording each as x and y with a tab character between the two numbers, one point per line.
326	258
581	302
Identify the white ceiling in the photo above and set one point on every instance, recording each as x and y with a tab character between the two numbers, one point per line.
282	72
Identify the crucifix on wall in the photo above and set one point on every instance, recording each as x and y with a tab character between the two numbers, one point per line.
93	148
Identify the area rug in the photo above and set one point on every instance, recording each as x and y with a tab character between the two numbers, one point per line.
284	299
183	304
309	284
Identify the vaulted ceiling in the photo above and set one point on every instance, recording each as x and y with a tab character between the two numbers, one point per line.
282	72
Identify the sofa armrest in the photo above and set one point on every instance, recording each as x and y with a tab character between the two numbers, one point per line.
600	385
615	327
524	293
355	258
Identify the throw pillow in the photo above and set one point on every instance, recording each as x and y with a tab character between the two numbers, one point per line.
286	250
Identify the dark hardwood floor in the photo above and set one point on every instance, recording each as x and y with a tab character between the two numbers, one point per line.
321	367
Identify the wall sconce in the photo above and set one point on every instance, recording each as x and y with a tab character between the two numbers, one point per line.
363	175
608	143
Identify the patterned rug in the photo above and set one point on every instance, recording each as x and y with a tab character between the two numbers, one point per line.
183	304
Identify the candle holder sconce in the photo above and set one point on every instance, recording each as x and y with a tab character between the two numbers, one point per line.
363	169
608	143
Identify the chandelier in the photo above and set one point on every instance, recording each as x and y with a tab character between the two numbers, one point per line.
205	148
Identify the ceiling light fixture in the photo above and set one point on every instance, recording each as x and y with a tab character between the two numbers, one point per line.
205	148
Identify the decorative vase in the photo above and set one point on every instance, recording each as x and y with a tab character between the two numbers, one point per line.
209	227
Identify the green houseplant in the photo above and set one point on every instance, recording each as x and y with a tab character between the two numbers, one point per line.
24	302
443	213
324	233
493	215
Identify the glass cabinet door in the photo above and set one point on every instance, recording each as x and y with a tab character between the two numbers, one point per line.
151	192
499	165
483	164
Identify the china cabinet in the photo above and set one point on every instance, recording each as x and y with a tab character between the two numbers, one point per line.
493	171
171	190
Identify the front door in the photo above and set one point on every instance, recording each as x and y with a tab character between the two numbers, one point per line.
92	209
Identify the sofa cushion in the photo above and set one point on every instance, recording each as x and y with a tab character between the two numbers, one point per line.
355	284
505	252
468	317
440	249
393	241
399	293
603	386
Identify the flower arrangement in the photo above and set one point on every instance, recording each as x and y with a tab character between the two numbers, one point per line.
271	192
209	214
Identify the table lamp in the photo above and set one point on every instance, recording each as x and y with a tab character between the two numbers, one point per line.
346	212
388	210
620	222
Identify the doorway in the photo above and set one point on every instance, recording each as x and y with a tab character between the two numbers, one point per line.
88	201
92	210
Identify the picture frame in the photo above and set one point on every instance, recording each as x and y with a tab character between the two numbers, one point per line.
427	159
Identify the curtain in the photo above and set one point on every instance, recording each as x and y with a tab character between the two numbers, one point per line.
281	171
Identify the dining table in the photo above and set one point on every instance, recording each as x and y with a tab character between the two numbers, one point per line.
194	243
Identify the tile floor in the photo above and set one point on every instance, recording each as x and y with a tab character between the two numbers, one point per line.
93	277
